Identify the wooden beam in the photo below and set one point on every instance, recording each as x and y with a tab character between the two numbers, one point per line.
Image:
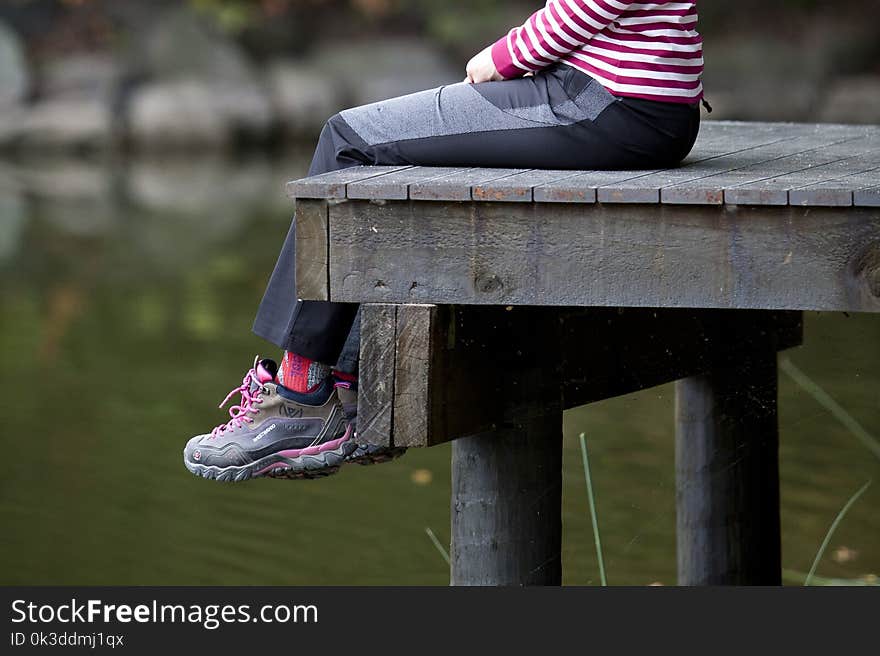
312	264
605	255
430	374
608	352
462	370
727	475
417	396
377	370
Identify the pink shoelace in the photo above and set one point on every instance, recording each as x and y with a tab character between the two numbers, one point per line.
241	413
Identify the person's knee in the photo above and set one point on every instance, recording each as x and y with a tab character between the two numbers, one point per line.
334	134
332	124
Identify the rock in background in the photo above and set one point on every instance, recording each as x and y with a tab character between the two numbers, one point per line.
303	97
200	88
14	78
171	80
854	99
72	105
805	72
14	84
375	69
64	123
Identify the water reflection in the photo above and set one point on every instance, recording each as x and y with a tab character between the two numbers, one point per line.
128	289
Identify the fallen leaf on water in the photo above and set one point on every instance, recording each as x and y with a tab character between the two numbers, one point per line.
844	555
421	476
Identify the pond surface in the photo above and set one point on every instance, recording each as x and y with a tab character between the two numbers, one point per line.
128	290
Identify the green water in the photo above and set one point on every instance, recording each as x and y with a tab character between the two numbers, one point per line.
127	294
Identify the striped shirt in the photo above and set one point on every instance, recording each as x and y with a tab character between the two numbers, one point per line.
642	50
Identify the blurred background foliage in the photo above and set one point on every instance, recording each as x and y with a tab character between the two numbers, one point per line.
99	73
456	24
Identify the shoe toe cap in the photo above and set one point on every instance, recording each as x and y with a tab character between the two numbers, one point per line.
192	452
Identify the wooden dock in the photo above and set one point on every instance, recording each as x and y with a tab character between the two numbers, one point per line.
497	298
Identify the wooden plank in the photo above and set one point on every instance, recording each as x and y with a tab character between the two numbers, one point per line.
836	192
446	362
727	474
867	197
377	371
839	180
708	184
459	185
630	349
414	390
518	188
312	250
604	255
747	147
717	139
493	184
839	192
772	183
582	188
705	184
333	184
863	155
395	185
754	185
576	189
506	505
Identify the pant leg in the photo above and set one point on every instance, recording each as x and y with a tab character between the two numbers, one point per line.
351	349
325	332
558	119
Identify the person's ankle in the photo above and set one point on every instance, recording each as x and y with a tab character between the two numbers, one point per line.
301	374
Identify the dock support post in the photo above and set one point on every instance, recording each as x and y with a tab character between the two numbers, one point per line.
506	505
727	474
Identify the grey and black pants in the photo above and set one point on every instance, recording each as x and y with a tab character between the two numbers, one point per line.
558	119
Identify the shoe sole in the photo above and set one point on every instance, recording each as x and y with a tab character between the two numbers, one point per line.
366	454
302	467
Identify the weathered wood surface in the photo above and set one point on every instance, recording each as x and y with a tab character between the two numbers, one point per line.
312	250
417	399
335	183
746	257
396	184
761	215
438	373
732	163
446	378
727	474
506	507
377	365
608	352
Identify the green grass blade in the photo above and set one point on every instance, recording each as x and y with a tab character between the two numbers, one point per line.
825	400
593	515
833	528
437	544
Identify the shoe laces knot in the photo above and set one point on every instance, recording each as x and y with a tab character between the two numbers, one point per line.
241	412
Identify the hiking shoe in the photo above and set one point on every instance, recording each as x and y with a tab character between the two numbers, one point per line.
274	432
363	454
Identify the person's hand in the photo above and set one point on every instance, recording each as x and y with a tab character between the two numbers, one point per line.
481	68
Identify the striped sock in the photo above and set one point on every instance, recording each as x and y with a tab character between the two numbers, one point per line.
300	374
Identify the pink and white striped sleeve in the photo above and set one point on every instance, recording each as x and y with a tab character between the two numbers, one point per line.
552	32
